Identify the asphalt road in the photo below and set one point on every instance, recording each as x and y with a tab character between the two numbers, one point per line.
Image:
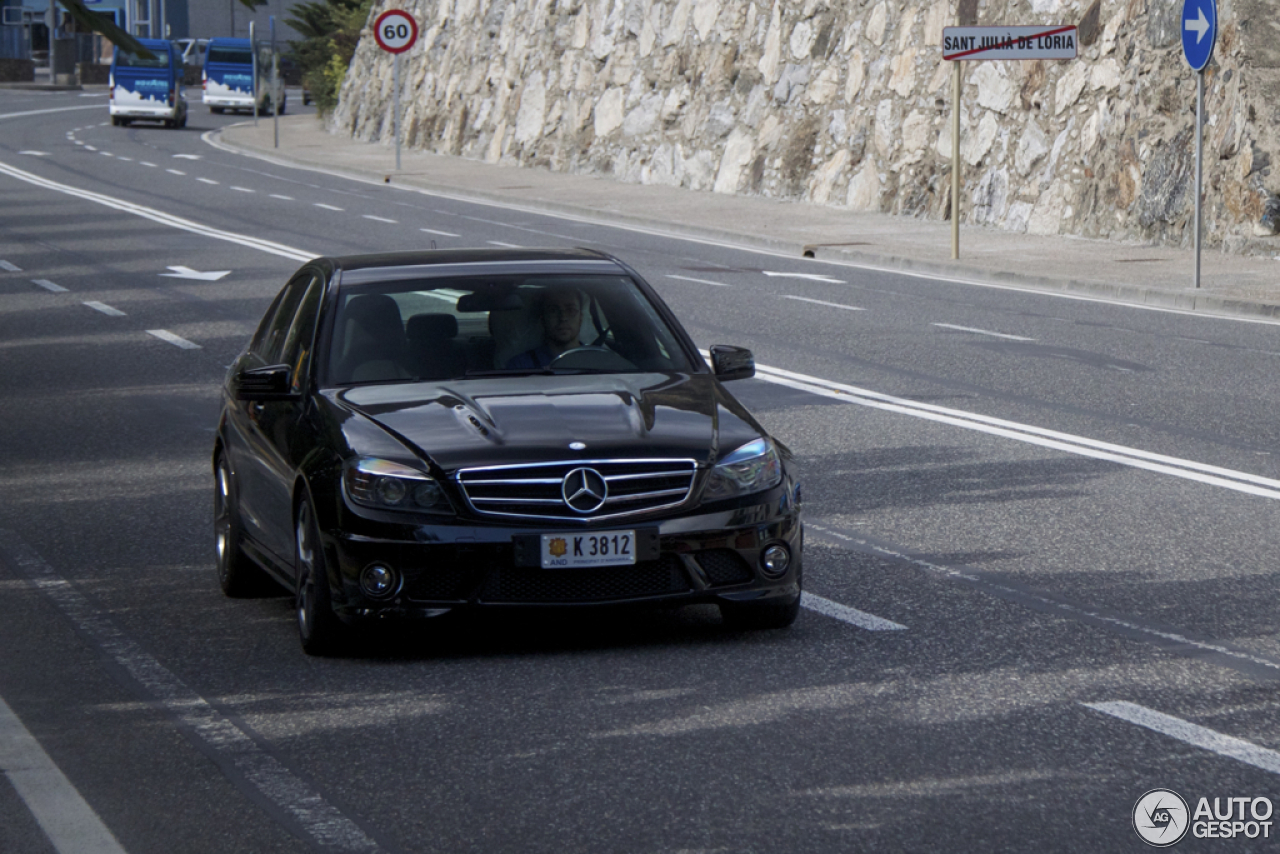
1062	512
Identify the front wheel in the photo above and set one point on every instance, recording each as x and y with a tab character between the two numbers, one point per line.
319	629
217	111
236	575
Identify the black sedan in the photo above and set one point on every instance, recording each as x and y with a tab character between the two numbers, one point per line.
412	433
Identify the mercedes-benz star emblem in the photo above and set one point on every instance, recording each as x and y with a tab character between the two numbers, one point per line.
584	490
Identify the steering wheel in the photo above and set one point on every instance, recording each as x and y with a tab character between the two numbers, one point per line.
591	357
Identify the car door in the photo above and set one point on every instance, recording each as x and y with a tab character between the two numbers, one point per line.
242	436
277	429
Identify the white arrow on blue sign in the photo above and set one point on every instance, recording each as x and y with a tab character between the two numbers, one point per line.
1199	30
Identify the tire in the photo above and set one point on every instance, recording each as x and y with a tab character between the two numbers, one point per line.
237	576
171	123
319	629
115	120
751	616
284	105
183	122
217	111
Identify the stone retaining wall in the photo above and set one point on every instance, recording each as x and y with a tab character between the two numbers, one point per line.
849	104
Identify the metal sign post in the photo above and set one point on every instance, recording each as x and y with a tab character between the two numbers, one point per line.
396	31
962	43
275	83
253	58
1199	31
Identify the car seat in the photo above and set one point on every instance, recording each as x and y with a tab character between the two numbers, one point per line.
433	351
373	343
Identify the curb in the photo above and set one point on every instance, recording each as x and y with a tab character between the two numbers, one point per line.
1178	300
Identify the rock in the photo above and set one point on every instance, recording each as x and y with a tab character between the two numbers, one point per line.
864	189
876	23
975	147
791	83
738	152
533	109
825	177
1167	193
995	90
1164	24
1069	87
608	112
1032	145
643	118
1269	223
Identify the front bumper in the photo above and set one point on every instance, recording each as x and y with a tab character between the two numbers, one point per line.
245	103
706	557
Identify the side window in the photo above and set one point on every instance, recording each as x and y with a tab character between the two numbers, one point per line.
300	339
270	336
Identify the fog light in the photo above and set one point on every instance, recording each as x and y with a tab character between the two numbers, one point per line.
775	560
378	580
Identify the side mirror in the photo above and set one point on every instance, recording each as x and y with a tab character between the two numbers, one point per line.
274	382
732	363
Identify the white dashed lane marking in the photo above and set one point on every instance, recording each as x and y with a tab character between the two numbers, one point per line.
49	286
983	332
327	207
441	233
824	302
282	198
699	281
1193	734
145	163
380	219
243	190
175	340
104	308
503	245
10	266
852	616
175	172
206	181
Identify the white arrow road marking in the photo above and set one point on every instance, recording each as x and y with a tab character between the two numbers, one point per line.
853	616
104	308
49	286
1193	734
1199	27
64	816
186	156
188	273
813	277
824	302
983	332
175	340
35	153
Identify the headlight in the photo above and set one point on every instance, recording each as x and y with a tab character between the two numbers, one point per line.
393	486
754	467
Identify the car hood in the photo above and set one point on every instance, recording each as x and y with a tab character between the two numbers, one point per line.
502	420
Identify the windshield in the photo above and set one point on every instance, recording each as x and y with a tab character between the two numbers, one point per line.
132	60
456	328
230	56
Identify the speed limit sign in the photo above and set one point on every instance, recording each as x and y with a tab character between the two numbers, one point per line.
396	31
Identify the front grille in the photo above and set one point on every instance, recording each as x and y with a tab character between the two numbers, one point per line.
724	566
603	584
534	491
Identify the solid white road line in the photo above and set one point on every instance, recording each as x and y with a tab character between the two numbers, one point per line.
380	219
104	308
10	266
70	824
206	181
1193	734
441	233
983	332
699	281
177	341
824	302
853	616
49	286
813	277
324	826
1213	475
327	207
42	112
159	216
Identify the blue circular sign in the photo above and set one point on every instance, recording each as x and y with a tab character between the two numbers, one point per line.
1199	30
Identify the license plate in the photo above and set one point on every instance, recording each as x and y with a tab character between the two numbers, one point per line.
599	548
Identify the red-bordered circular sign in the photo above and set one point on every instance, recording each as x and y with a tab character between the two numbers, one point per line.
396	31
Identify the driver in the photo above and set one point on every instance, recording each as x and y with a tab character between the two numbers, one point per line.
560	310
